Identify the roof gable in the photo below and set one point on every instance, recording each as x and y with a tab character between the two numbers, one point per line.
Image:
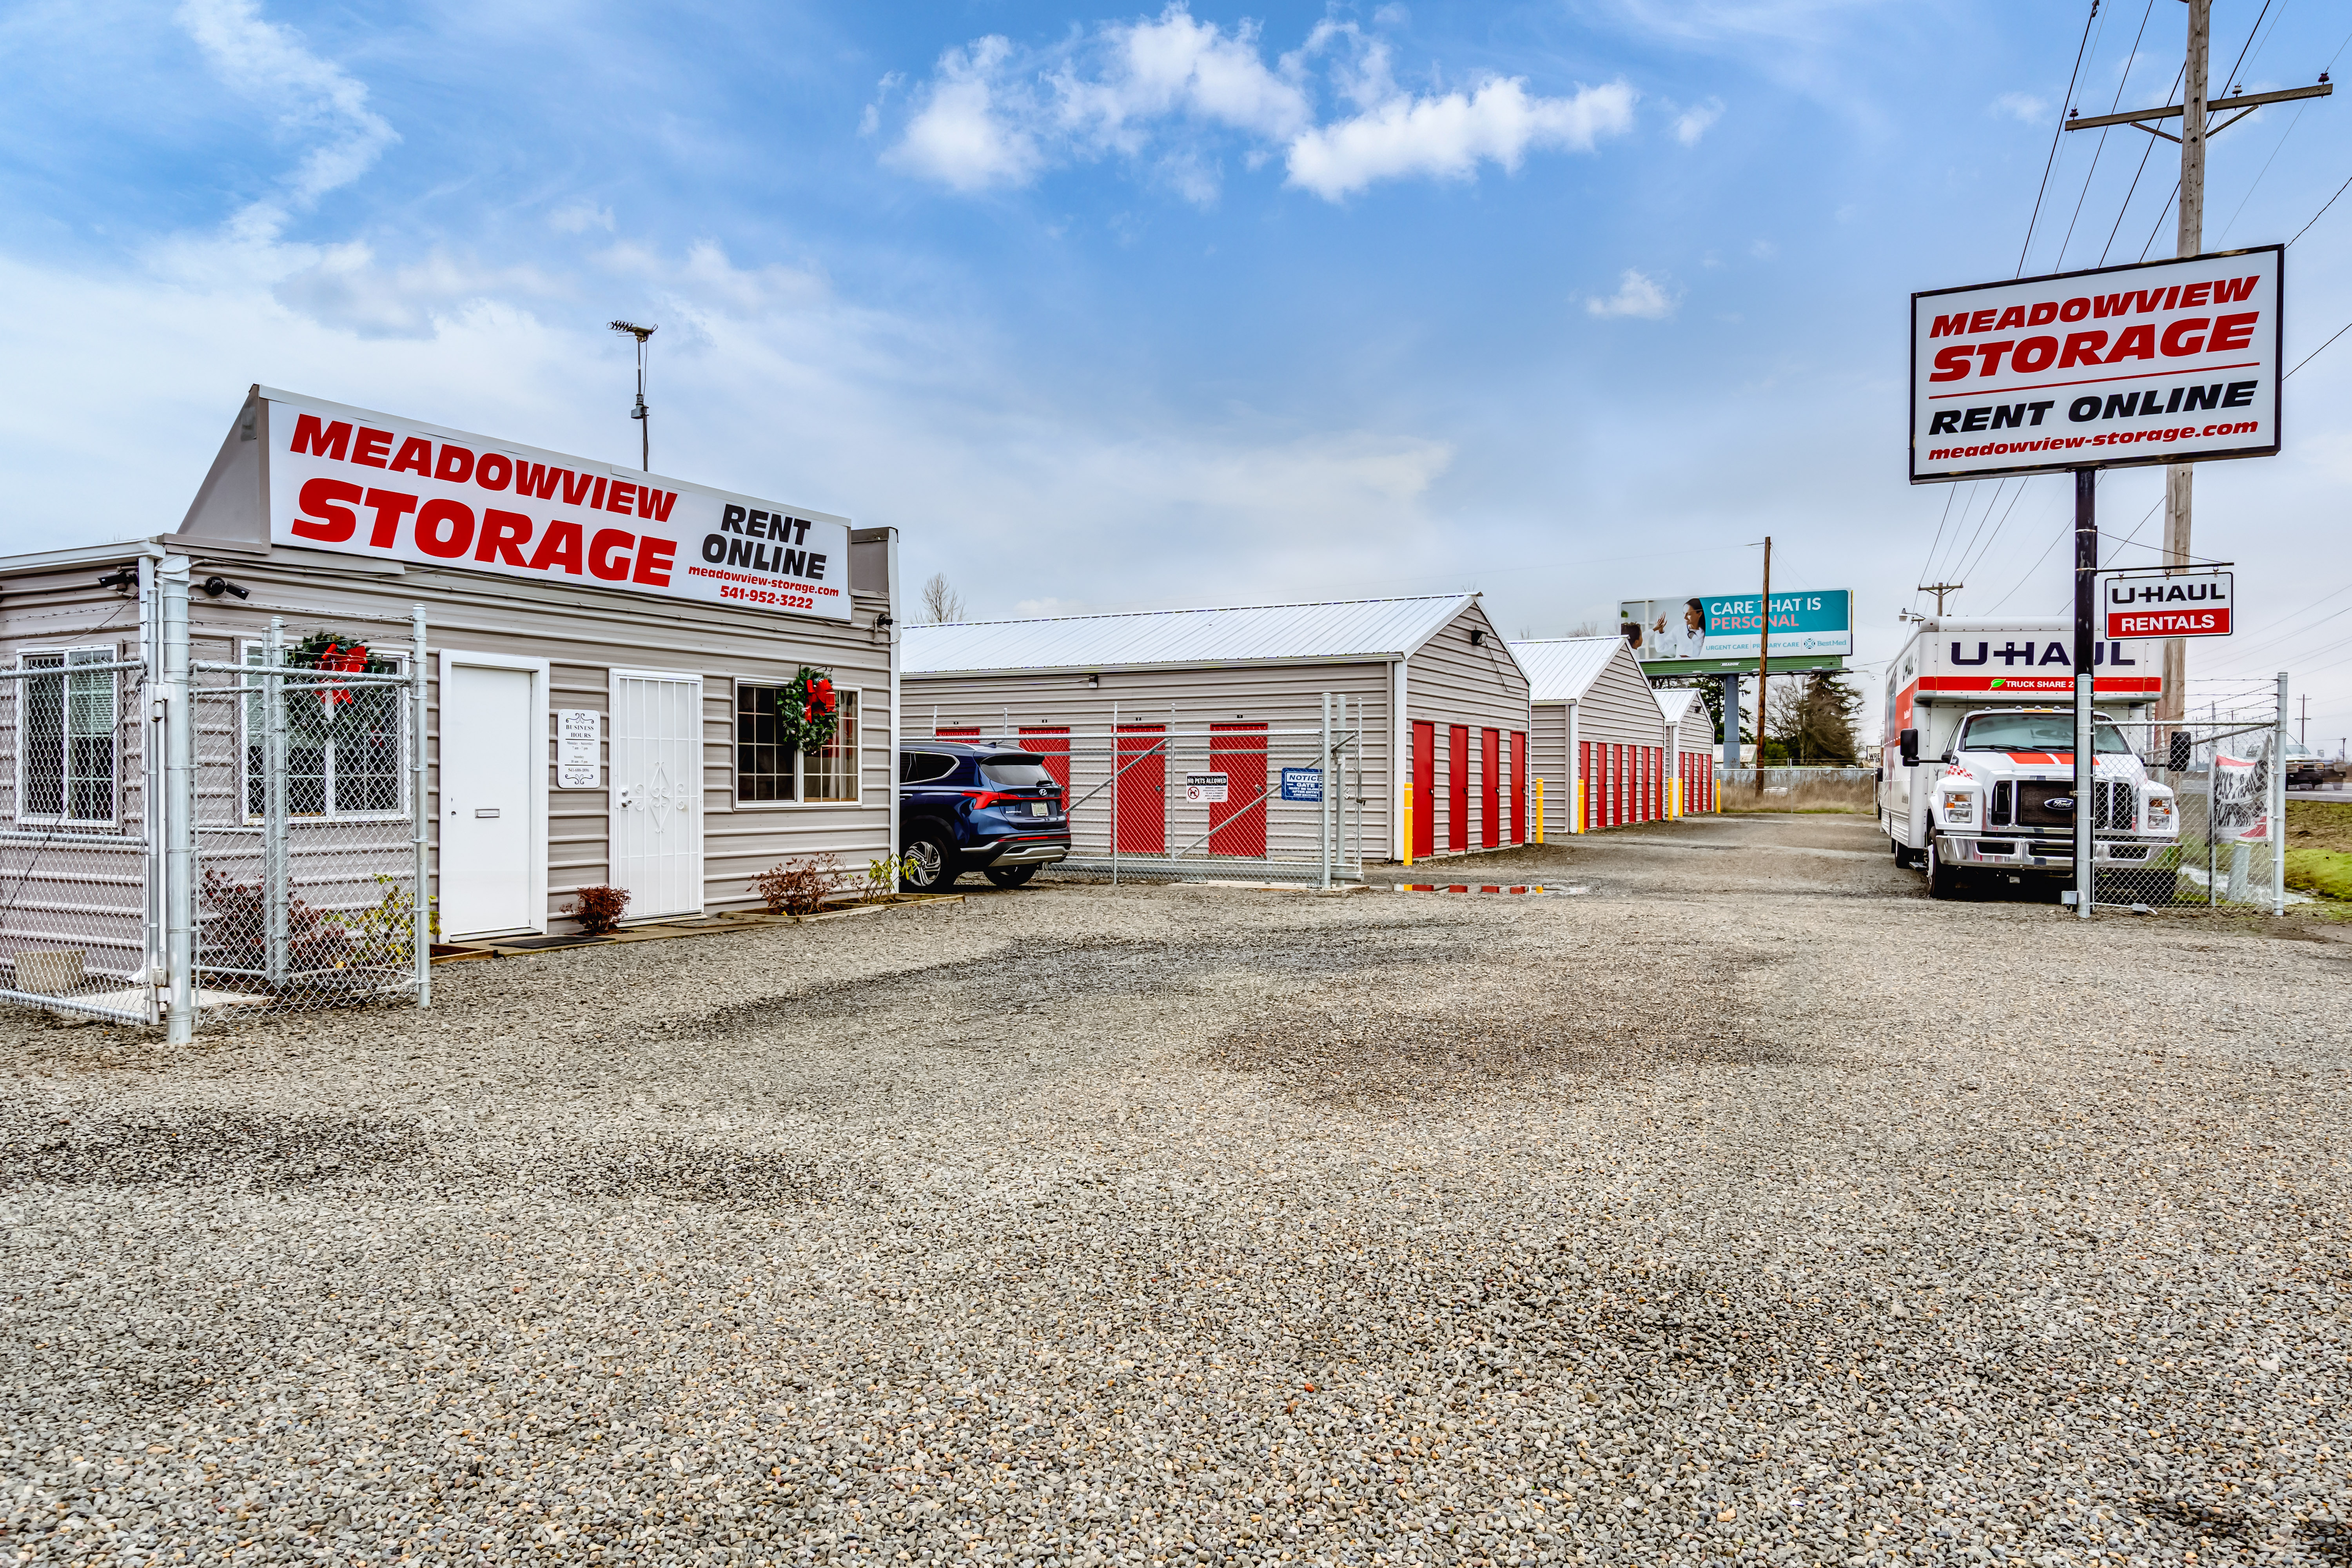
1562	669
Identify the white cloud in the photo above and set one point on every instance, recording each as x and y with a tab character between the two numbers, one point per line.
1447	137
966	135
579	216
313	96
1692	123
1162	90
2019	106
1637	294
344	288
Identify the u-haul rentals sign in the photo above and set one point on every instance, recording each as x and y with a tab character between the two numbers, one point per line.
362	483
2177	604
2170	362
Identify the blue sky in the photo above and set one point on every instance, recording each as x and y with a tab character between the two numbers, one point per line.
1114	308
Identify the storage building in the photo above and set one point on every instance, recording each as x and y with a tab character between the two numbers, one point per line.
1601	742
1690	740
1238	692
596	699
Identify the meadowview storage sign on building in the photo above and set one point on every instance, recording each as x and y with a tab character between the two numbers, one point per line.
605	650
1428	680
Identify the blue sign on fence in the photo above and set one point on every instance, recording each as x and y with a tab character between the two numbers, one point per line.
1302	783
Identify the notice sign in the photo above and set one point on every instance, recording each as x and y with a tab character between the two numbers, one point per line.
578	749
2169	362
1302	783
2183	604
1210	787
361	483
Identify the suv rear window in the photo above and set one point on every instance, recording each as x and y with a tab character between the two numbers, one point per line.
923	767
1021	771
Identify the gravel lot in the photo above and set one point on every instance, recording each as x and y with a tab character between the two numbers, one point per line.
1746	1207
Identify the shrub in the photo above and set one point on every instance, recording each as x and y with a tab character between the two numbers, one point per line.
798	886
598	909
879	873
235	929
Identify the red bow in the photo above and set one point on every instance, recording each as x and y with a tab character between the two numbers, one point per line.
352	660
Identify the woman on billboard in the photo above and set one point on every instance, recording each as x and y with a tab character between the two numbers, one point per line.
1686	641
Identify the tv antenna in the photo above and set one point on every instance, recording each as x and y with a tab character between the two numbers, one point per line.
644	426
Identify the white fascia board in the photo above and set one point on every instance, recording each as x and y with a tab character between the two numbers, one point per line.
1206	664
84	555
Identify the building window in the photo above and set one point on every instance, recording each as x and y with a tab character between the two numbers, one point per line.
767	770
66	749
344	754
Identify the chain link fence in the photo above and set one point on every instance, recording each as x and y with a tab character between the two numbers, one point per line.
2224	761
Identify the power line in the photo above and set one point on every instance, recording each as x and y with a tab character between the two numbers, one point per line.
2322	213
2178	77
2052	161
2224	236
2314	353
2129	55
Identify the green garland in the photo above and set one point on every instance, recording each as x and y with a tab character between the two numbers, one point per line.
334	713
807	711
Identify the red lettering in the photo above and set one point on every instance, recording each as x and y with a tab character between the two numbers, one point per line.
2176	341
2110	304
656	504
2043	314
601	561
2229	292
391	506
502	532
2148	300
2033	354
2074	309
2013	317
321	440
2233	331
1992	353
455	516
1953	362
492	472
654	557
2196	294
2082	348
558	546
1949	326
331	500
370	447
537	479
456	464
576	486
1981	322
2138	342
622	499
415	458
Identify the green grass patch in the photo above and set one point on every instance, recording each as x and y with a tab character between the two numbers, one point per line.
2318	825
2328	872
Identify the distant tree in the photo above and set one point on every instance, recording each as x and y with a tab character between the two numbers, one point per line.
941	604
1588	627
1810	720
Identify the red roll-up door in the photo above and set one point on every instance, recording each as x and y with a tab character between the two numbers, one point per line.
1490	788
1616	783
1653	790
1424	789
1053	749
1457	787
1579	802
1518	786
1238	826
958	733
1142	789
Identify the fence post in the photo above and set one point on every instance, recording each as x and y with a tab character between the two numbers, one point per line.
1114	795
274	878
422	907
1356	794
1323	813
2279	738
179	813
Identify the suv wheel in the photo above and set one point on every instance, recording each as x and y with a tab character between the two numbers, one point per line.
1011	876
933	859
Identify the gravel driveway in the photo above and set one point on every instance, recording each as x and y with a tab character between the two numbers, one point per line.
1746	1207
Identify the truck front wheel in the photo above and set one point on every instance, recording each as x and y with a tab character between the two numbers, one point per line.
1943	883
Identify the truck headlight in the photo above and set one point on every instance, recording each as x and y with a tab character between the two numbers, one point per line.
1960	806
2159	814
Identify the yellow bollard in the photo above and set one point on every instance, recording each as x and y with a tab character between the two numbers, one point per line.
1408	822
1538	810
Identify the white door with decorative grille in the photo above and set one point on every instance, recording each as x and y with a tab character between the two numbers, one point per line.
656	734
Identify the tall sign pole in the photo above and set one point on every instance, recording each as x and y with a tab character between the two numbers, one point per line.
2178	477
2086	657
1763	665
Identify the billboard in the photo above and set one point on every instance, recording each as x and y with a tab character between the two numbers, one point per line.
2163	361
1711	628
361	483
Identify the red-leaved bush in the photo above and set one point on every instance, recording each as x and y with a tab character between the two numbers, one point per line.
598	910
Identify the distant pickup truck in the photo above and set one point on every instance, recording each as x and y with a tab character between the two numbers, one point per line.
2305	768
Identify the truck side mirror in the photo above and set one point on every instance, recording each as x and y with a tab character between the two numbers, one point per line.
1909	741
2179	761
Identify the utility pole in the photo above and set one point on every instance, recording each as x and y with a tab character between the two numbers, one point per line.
2302	729
1940	590
1763	665
2195	112
644	426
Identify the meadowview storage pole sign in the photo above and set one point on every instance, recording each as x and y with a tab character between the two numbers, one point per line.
2167	361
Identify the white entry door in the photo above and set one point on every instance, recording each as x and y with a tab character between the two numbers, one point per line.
493	772
656	791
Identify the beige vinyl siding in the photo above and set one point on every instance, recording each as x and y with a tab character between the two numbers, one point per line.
1548	760
1618	707
583	634
1280	696
1449	681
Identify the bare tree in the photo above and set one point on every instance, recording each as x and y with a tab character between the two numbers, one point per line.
941	602
1587	627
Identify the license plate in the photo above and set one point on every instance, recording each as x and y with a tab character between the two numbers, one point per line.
1040	809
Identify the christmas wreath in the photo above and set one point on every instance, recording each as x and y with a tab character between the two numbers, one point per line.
331	712
807	713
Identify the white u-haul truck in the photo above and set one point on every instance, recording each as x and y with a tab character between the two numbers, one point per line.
1977	780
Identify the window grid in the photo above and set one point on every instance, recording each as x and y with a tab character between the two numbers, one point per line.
354	777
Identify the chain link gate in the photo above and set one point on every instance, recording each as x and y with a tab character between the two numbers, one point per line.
185	838
2224	759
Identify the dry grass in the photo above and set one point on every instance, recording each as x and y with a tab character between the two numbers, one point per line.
1813	795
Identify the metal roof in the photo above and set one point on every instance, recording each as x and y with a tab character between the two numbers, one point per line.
1562	669
1252	634
1675	702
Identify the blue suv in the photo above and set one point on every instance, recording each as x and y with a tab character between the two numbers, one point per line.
964	806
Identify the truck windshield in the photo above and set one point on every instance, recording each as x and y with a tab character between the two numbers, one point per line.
2035	732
